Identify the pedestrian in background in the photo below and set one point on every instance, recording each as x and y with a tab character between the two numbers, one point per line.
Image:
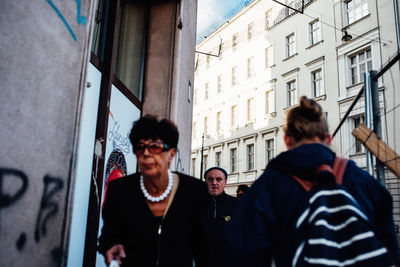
241	189
265	224
219	212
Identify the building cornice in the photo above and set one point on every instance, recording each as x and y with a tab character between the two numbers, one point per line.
290	72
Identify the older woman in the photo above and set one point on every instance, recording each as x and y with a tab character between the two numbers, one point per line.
152	218
267	224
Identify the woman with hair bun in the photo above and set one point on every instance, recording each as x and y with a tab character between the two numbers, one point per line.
265	227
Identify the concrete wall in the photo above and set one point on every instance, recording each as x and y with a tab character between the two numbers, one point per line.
169	69
43	57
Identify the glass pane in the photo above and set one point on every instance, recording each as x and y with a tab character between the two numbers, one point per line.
369	65
362	57
353	60
131	45
100	29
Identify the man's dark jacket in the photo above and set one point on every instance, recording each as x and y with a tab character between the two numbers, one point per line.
129	221
218	215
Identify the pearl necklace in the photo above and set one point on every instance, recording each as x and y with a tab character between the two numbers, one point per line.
163	195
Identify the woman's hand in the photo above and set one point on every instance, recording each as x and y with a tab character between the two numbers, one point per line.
116	252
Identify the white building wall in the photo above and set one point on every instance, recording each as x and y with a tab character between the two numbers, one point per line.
330	55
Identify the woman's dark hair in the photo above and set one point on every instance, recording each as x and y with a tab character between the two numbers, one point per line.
149	127
306	121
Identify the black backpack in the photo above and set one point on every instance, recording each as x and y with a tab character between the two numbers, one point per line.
335	231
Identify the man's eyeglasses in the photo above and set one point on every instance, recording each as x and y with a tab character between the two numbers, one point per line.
154	148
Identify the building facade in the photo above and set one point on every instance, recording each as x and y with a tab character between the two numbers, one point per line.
75	75
252	69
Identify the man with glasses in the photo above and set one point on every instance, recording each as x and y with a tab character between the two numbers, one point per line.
154	217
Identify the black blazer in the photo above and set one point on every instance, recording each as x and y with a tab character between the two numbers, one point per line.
129	221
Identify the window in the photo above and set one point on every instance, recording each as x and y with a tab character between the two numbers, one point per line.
233	160
268	22
206	91
292	94
355	10
250	109
250	157
290	45
269	57
315	32
194	167
269	102
218	159
359	64
234	40
233	116
131	45
250	30
269	150
205	125
234	76
205	158
218	126
219	83
207	61
250	67
317	83
358	147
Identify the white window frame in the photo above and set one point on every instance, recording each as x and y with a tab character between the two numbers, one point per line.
251	111
250	30
218	125
290	45
234	78
357	147
250	67
315	81
359	65
219	83
355	10
315	33
250	157
193	167
218	158
270	101
206	90
269	59
233	160
234	40
268	17
268	149
234	116
292	93
205	162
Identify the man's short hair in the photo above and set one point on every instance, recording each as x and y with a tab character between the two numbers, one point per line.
216	168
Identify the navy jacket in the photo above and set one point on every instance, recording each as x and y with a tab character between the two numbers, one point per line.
218	214
264	224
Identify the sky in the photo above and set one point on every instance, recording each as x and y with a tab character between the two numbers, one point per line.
211	14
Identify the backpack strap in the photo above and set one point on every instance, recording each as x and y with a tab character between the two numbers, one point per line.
339	165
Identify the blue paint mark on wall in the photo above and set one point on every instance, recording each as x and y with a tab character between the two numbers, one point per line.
81	19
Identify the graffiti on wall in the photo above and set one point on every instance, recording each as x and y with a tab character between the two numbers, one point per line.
48	205
80	19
